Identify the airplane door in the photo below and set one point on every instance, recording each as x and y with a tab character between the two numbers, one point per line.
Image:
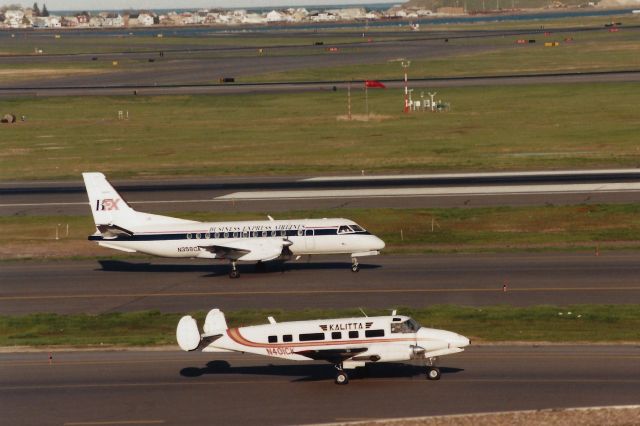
309	239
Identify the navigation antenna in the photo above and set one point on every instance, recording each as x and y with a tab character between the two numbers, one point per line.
363	312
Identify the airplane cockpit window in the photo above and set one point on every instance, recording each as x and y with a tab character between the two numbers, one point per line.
344	229
357	228
408	326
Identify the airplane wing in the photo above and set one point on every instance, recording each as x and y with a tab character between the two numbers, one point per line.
333	356
249	249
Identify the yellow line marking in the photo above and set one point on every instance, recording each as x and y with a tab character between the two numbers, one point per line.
312	292
116	422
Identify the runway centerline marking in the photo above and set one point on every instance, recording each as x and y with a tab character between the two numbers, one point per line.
316	292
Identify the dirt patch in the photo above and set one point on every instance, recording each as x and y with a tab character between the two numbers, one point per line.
611	416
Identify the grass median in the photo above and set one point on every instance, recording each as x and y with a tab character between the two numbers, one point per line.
576	323
488	128
487	229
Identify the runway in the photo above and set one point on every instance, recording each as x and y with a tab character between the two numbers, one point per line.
277	194
384	282
97	388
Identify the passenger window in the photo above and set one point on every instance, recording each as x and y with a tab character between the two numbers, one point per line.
309	232
188	236
287	338
198	236
353	334
273	339
245	234
274	233
283	233
207	235
336	335
264	233
311	336
226	235
374	333
235	235
300	232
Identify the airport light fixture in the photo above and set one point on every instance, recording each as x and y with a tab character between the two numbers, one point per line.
405	65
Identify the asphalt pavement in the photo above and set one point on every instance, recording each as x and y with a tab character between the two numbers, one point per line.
171	285
106	387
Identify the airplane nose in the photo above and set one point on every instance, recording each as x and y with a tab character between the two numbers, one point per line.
460	341
378	244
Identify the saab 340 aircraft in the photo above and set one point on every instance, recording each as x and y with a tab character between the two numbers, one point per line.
344	342
120	227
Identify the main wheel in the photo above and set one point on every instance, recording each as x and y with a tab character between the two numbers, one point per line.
234	274
342	378
433	373
355	268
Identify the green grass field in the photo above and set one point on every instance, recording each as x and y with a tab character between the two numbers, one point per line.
488	128
578	323
496	229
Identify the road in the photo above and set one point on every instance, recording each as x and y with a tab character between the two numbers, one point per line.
383	282
91	388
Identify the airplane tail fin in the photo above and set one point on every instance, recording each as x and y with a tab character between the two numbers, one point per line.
215	322
108	207
112	214
190	339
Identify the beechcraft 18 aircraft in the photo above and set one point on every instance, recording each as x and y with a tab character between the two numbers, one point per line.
120	227
344	342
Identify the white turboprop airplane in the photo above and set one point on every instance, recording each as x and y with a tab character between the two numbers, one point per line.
120	227
344	342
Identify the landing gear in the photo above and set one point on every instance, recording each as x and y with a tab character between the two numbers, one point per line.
433	373
341	377
355	267
234	270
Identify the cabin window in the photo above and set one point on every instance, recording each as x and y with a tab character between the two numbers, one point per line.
311	336
273	339
274	233
264	233
245	234
235	235
353	335
374	333
283	233
207	235
226	235
287	338
409	326
254	234
188	236
309	232
337	335
198	236
300	232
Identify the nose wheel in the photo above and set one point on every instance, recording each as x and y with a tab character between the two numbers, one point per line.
341	377
355	266
433	373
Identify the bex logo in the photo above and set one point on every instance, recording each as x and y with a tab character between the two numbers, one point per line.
107	204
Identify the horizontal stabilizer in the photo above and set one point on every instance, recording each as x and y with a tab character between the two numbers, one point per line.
113	231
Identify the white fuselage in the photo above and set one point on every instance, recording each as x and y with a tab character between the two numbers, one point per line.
374	339
190	239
